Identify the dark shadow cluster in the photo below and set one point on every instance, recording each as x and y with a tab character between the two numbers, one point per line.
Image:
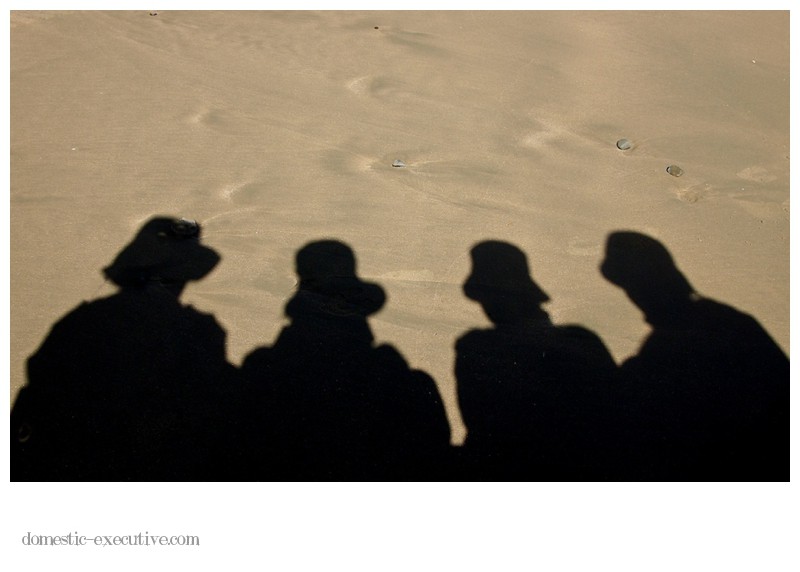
137	386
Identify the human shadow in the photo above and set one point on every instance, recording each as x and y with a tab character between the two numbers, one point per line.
707	395
534	396
327	403
134	386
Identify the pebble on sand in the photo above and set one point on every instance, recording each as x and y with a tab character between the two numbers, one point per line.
398	163
674	170
624	144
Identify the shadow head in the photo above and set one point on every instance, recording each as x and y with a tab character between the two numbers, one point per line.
165	250
327	268
500	281
645	270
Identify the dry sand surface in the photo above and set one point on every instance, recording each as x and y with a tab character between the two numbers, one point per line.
274	129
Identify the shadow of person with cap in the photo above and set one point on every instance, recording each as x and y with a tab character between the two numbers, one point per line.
532	394
133	386
329	403
707	394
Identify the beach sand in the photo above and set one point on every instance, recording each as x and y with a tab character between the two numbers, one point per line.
274	129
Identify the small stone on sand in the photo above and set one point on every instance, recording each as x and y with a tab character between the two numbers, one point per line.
398	163
674	170
624	144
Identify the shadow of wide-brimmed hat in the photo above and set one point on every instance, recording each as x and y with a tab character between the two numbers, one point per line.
327	268
501	269
166	249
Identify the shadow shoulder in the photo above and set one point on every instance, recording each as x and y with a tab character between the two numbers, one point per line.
724	315
256	360
734	323
476	336
388	356
588	343
581	336
578	332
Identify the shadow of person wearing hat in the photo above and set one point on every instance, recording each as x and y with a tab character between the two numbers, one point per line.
330	404
707	395
532	394
129	387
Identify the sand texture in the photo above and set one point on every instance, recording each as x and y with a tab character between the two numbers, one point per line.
273	129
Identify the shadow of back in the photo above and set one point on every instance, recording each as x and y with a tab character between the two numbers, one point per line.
329	404
707	395
132	386
534	396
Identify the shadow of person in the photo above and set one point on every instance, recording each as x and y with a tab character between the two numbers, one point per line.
708	392
532	394
328	403
132	386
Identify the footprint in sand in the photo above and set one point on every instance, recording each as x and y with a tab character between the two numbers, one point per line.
348	162
693	194
756	174
210	117
228	191
198	117
382	88
761	207
542	138
360	85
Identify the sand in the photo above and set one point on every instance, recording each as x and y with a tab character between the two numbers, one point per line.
274	129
